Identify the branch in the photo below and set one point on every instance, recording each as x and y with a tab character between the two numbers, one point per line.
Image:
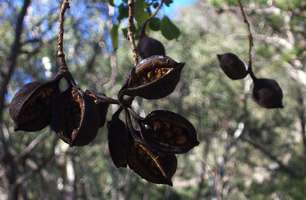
11	61
272	157
131	37
60	39
251	40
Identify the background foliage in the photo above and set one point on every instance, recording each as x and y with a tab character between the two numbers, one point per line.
246	152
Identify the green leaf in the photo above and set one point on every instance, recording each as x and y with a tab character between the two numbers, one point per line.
123	12
169	30
111	2
154	24
114	36
140	14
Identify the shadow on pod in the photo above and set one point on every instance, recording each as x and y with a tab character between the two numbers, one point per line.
169	132
152	166
267	93
75	117
118	141
232	66
30	108
155	77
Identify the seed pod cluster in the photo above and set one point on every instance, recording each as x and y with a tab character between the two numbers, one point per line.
72	113
266	92
150	149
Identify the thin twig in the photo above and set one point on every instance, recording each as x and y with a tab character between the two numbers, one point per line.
143	29
131	31
60	39
251	40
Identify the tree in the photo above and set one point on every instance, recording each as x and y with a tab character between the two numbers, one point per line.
244	152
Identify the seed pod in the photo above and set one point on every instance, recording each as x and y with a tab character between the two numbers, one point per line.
75	117
169	132
118	141
148	46
31	106
232	66
154	167
102	105
155	77
267	93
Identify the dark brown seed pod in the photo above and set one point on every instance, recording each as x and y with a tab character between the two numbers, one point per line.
148	47
232	66
30	108
155	77
169	132
75	117
118	141
267	93
102	105
154	167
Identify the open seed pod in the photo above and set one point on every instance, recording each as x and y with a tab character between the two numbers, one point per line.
102	105
155	77
152	166
169	132
30	108
75	117
232	66
118	141
267	93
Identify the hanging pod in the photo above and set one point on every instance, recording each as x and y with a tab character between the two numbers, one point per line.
154	77
267	93
153	166
101	105
75	117
169	132
30	108
148	46
232	66
118	141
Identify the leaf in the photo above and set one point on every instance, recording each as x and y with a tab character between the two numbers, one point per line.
123	12
154	24
114	36
140	14
111	2
169	30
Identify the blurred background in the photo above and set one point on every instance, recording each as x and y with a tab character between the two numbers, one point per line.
245	151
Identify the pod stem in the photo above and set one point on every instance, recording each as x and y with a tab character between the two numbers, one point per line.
143	28
131	31
251	40
60	38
